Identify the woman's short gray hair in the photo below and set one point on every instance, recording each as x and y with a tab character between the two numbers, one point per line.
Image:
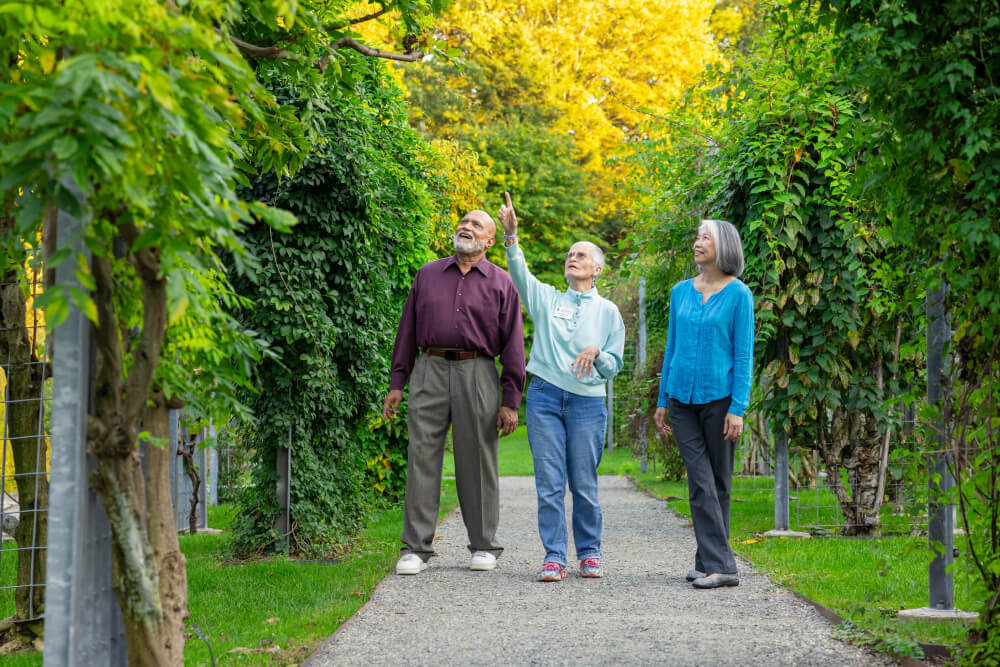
728	246
596	253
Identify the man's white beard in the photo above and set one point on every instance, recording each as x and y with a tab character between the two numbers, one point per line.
468	246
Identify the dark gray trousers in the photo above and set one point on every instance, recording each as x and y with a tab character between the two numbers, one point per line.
464	394
709	461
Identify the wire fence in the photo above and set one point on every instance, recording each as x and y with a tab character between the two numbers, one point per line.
26	390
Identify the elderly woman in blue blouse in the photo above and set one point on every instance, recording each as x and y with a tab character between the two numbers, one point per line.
705	387
578	345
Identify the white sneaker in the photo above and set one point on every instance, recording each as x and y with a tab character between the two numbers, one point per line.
410	564
483	560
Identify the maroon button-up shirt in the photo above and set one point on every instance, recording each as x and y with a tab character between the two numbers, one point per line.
477	311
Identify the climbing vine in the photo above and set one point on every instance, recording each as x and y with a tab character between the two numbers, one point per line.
771	143
327	299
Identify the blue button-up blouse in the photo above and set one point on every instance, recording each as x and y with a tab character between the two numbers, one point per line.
709	351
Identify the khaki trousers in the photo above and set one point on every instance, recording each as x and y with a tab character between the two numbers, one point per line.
466	395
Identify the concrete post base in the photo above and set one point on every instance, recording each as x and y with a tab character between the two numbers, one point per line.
787	533
934	614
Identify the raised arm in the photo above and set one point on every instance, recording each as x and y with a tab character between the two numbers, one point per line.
528	286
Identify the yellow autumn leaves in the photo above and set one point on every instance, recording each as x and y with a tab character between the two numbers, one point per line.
603	66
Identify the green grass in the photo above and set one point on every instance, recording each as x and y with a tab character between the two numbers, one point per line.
863	580
281	602
8	577
515	457
295	605
866	581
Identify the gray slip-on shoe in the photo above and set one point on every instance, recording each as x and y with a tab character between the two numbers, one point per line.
694	574
717	581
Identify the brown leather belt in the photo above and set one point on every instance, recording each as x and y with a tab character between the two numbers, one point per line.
451	354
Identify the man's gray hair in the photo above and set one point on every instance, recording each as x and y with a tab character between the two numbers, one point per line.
728	246
596	253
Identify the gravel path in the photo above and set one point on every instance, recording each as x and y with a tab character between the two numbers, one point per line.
642	612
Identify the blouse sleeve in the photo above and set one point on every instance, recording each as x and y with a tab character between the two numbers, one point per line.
743	332
661	397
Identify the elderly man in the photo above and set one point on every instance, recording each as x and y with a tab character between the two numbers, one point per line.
462	312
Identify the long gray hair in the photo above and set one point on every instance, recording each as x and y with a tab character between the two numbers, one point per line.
728	246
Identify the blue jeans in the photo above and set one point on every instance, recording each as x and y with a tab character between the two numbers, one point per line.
566	434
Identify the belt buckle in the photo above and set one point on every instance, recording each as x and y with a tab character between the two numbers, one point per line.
452	355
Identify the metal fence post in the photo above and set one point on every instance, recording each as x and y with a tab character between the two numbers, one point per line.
212	460
940	516
782	526
781	480
83	622
283	523
640	369
940	527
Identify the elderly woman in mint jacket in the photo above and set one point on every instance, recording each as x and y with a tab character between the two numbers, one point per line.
579	340
705	387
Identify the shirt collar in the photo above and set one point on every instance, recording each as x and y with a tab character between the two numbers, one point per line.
589	295
482	265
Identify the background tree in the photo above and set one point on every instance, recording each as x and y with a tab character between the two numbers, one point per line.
930	70
769	142
327	299
549	94
150	110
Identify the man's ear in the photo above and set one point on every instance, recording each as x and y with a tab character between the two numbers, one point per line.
490	242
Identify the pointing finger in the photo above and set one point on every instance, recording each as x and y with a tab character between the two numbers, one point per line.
509	203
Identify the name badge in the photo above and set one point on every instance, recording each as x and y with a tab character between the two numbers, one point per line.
563	312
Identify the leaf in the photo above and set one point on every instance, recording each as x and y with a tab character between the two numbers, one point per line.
279	219
47	60
82	300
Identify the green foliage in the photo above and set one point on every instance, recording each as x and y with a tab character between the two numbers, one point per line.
497	114
771	142
930	71
898	647
328	298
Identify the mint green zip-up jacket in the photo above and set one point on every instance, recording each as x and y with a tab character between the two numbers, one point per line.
565	323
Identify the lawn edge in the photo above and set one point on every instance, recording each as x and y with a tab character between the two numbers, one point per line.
934	651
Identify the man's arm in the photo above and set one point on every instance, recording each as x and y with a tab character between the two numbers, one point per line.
512	375
404	353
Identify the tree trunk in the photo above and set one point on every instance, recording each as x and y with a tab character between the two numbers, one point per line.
851	441
163	533
149	574
25	379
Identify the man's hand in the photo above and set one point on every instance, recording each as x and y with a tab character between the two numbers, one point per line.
506	421
584	362
391	405
733	427
508	218
660	417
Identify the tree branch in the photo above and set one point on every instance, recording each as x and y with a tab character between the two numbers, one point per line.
139	382
360	19
270	52
278	53
348	43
